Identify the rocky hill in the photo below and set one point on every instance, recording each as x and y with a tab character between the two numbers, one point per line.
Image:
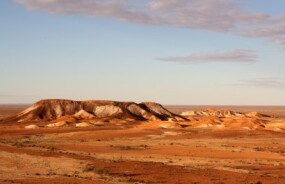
223	113
212	118
49	110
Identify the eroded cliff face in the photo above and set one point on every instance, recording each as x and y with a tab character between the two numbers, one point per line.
53	109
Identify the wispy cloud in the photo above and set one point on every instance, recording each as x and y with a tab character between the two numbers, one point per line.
219	15
278	83
246	56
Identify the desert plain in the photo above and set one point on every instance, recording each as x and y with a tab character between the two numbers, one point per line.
192	144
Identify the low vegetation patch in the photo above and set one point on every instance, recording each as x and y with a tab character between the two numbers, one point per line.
123	147
92	168
259	149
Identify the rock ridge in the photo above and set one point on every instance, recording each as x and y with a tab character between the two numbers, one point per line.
52	109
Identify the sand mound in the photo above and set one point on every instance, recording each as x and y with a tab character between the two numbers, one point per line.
168	125
97	123
58	124
67	119
31	127
49	110
83	125
256	114
160	124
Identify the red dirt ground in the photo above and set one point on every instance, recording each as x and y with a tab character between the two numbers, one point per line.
131	154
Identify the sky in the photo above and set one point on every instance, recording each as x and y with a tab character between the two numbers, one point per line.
178	52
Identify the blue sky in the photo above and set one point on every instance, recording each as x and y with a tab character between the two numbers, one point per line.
141	51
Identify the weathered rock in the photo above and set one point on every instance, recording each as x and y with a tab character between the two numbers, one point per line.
82	114
211	112
50	110
221	113
138	111
107	110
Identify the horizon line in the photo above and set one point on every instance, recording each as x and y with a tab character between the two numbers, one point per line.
237	105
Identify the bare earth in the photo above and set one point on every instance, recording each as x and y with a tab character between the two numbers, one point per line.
132	152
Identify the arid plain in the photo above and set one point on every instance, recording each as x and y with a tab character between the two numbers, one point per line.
211	145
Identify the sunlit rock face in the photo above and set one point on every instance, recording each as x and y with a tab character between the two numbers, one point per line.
56	108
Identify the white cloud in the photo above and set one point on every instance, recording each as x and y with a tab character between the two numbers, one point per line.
247	56
213	15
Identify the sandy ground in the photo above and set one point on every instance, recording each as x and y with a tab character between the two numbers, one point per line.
131	154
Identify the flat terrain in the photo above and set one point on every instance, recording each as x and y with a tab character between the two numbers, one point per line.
7	110
128	153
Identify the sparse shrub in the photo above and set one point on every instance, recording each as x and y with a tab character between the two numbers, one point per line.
126	147
132	180
144	146
140	147
88	168
51	149
258	149
18	144
51	174
67	175
92	168
101	171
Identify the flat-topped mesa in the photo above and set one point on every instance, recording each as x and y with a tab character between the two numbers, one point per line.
53	109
